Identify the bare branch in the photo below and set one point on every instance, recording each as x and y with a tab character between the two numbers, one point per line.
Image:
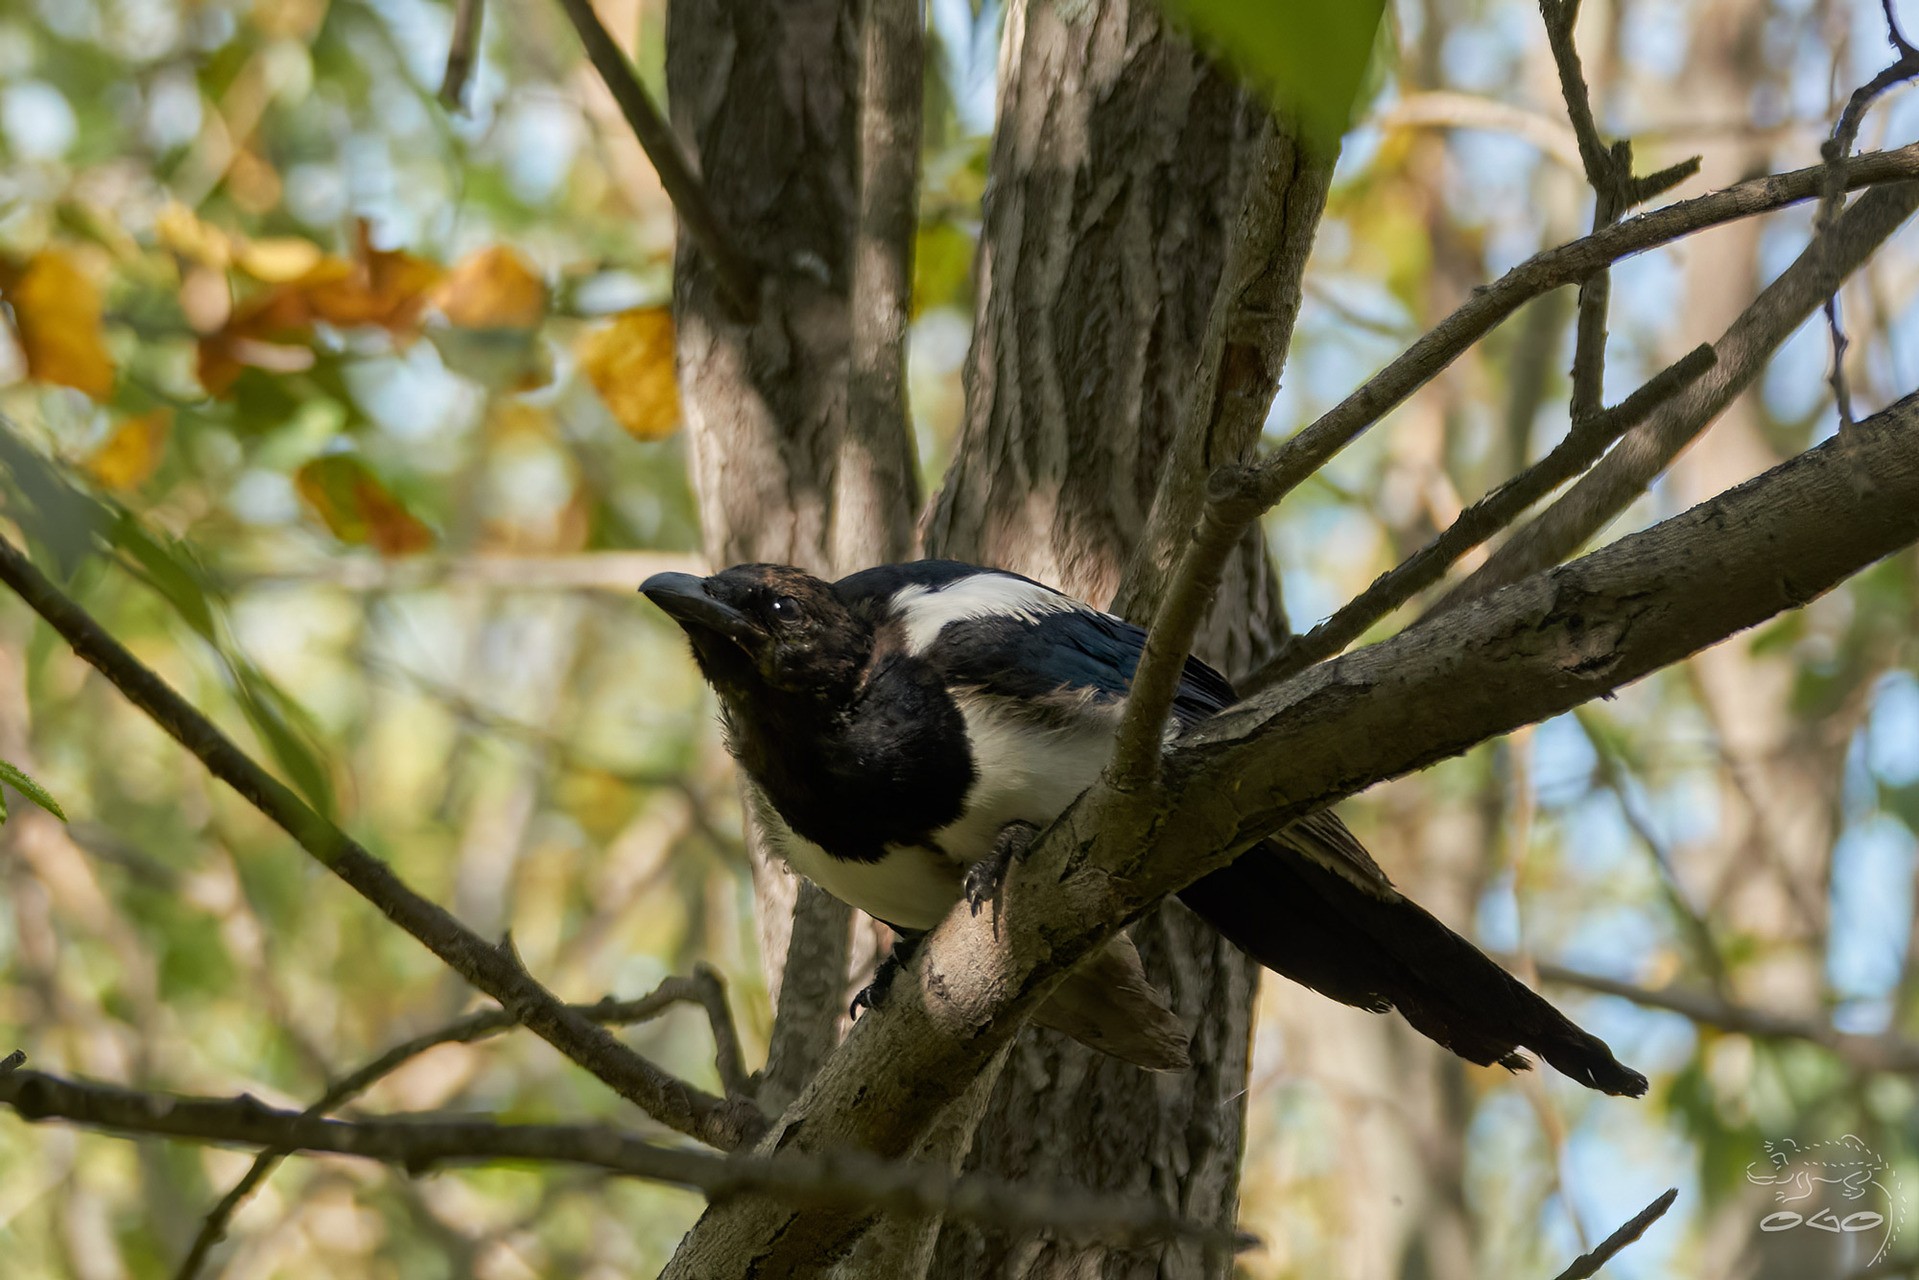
1248	329
1885	1053
1582	445
418	1144
13	1062
1742	352
460	53
1339	426
1588	1264
1845	132
1238	497
703	987
721	1122
737	275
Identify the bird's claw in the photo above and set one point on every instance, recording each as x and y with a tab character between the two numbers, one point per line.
873	994
986	879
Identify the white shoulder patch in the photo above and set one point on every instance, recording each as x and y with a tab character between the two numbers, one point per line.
926	611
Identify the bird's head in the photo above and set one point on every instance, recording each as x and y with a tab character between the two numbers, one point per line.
760	629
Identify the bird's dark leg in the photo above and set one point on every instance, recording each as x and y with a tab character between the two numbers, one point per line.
986	879
897	957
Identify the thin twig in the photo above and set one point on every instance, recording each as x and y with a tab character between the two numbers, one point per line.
1588	1264
1845	132
737	276
460	53
13	1062
722	1122
1890	1054
1583	443
704	988
419	1144
1743	350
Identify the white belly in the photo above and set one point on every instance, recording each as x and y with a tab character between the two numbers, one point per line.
1023	773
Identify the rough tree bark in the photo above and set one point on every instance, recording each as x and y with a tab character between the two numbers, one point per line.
796	415
1119	168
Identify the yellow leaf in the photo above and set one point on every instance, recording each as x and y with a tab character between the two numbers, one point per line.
57	311
132	452
278	259
180	229
630	363
494	288
358	508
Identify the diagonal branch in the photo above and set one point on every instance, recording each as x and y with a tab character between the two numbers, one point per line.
1588	1264
1237	496
1582	445
703	987
720	1122
1888	1053
1625	473
844	1180
737	275
1532	651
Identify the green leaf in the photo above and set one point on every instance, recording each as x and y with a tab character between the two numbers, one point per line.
30	789
1310	55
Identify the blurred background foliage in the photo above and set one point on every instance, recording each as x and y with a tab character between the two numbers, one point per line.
353	415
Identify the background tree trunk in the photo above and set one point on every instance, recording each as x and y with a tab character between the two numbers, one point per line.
1118	170
790	464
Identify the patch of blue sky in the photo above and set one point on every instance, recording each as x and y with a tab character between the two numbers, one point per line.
421	32
1870	908
1614	1167
1653	38
969	49
1892	730
1563	762
1794	383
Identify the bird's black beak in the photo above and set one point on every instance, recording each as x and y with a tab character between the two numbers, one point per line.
685	600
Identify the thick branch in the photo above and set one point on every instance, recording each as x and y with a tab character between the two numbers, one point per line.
1532	651
721	1122
420	1143
683	187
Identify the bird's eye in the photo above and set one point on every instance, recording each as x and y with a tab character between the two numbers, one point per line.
785	610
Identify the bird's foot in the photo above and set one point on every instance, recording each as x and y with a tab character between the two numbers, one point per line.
873	994
986	879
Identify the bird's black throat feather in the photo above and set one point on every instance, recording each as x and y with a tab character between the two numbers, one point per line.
890	769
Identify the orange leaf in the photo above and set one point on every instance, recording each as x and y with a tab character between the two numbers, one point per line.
358	508
630	363
57	311
385	288
494	288
132	452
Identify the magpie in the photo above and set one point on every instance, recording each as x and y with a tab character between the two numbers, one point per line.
905	730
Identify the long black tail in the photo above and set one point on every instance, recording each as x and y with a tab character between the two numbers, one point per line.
1369	946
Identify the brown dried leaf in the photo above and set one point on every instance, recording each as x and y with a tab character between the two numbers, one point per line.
358	508
494	288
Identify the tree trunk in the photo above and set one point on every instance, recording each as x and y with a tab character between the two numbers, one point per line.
801	454
1117	176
